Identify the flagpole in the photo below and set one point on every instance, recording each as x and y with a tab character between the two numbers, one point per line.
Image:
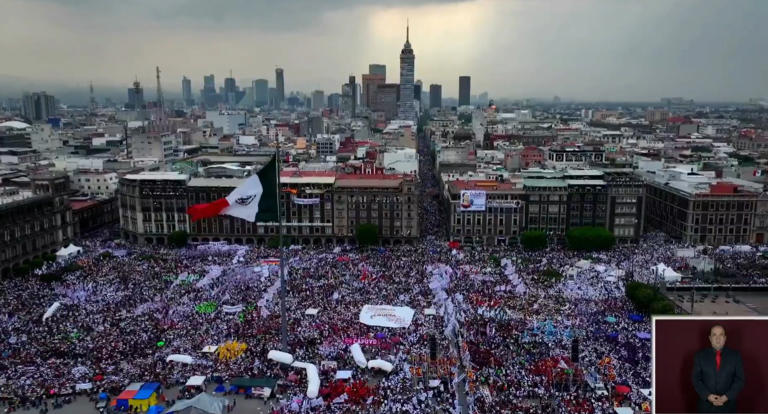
283	317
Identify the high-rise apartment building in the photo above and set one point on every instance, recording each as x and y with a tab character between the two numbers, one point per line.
186	91
377	69
208	94
370	83
38	106
435	96
318	100
135	96
260	92
464	90
280	87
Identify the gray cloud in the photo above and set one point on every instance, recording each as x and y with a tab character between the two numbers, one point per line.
586	49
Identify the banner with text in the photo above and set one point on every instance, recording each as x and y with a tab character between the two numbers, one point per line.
386	316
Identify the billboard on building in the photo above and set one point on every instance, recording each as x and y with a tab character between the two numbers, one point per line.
472	201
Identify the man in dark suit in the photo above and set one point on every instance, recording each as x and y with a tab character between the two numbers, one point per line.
718	375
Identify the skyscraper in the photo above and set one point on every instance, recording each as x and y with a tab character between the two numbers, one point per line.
370	82
186	91
260	92
280	87
38	106
464	90
230	91
318	100
135	96
406	109
349	97
435	96
377	69
208	94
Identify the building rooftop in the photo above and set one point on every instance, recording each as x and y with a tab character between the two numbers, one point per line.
544	182
230	182
157	175
12	194
485	185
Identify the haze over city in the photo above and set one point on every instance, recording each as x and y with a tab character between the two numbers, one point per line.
708	50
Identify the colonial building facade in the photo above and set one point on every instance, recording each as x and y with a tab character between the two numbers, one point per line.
34	222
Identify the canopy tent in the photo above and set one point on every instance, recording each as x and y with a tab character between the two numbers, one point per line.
666	272
195	381
624	410
220	389
311	311
210	349
184	359
743	248
156	409
69	251
201	404
122	402
430	311
147	396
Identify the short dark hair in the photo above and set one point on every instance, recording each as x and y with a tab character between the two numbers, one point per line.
715	326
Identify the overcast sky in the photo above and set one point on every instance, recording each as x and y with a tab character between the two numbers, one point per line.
577	49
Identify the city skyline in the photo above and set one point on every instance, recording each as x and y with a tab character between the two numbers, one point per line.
593	50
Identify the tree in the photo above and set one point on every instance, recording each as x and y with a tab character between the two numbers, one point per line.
178	238
49	257
21	270
367	234
589	238
36	263
662	307
533	240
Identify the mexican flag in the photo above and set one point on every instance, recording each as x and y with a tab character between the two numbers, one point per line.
254	200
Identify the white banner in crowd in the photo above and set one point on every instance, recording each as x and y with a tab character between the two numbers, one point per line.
51	310
232	309
386	316
472	201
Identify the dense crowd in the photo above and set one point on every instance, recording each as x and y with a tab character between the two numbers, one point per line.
503	333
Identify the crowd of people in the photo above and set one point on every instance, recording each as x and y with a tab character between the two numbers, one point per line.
487	328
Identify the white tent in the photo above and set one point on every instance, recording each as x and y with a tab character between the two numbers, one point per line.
195	381
184	359
209	349
311	311
69	251
666	272
744	248
203	403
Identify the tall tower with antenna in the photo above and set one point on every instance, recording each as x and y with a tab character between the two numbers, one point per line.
160	100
